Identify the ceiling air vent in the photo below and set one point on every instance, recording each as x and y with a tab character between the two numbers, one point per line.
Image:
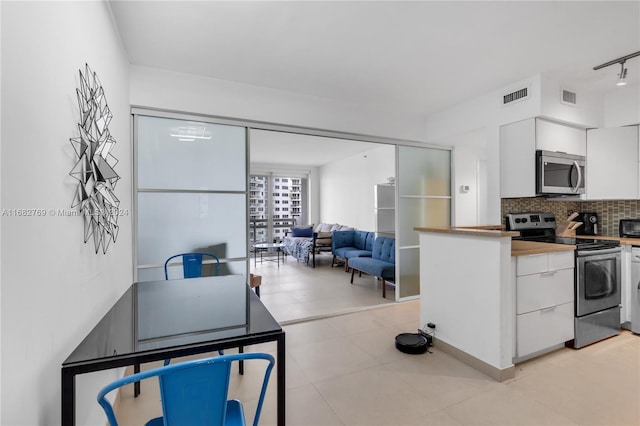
568	97
515	96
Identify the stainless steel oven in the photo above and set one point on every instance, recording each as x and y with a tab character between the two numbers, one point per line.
598	294
597	280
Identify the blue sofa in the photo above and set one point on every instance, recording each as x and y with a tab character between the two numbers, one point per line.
381	264
348	244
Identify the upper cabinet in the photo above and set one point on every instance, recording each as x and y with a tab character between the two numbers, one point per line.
612	167
551	136
518	144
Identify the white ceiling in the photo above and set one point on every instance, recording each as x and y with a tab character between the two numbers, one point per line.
269	147
415	57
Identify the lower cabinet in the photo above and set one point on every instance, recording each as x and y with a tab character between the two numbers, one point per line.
544	301
544	328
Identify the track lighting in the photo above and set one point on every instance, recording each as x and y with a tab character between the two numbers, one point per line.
623	71
622	75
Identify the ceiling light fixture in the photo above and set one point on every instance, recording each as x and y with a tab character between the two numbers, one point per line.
190	134
622	75
623	71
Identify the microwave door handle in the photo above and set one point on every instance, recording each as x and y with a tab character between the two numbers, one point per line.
577	187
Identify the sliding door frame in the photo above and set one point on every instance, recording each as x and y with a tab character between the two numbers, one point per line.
276	127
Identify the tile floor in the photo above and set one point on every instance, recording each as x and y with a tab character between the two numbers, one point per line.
345	370
294	291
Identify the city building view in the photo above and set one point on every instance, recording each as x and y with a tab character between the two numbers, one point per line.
275	205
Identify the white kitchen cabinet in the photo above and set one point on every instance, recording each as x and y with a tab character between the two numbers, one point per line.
544	328
612	167
552	136
518	144
544	301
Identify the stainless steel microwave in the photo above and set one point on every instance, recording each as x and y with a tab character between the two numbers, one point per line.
558	173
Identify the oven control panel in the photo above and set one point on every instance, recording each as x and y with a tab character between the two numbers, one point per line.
525	221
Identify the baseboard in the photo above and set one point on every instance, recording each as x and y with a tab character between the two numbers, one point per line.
495	373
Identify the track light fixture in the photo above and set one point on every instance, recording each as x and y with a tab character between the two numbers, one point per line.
623	71
622	75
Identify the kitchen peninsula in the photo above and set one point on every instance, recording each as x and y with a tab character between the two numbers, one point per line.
467	289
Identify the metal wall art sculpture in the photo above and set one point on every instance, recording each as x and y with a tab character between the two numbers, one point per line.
94	169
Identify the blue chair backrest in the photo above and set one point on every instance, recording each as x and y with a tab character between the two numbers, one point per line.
192	392
342	239
384	248
360	240
192	264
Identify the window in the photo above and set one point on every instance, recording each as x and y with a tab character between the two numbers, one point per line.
275	219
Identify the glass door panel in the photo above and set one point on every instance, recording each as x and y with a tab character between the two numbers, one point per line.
424	199
191	193
178	154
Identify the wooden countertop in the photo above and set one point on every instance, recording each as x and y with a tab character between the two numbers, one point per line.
524	248
494	231
518	247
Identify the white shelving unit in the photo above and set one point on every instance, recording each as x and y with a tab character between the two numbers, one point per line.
385	210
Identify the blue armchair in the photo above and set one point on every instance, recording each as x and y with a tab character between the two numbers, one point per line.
381	264
348	244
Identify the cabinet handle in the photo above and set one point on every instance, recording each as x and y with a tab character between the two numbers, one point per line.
548	274
549	309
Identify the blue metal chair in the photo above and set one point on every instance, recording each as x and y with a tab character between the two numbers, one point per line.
195	392
192	264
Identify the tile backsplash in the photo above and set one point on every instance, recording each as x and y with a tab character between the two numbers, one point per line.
609	212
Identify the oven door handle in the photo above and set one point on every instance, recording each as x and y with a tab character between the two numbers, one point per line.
577	187
597	252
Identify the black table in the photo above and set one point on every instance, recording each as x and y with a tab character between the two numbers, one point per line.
158	320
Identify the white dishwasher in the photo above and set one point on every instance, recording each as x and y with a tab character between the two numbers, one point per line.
634	303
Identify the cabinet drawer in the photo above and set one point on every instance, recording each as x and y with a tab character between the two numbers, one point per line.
542	329
537	263
540	291
532	264
561	260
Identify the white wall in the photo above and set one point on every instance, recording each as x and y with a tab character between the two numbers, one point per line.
169	90
347	187
466	163
587	112
54	287
487	112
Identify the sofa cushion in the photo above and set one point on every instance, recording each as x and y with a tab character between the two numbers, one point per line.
384	249
342	251
375	267
346	241
348	254
302	232
363	240
324	227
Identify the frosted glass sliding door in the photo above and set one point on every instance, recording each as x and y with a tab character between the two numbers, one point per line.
191	193
424	199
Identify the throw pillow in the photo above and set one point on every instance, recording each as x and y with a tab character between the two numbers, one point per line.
324	227
302	232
